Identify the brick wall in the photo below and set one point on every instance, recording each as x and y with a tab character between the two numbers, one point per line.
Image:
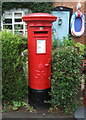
72	5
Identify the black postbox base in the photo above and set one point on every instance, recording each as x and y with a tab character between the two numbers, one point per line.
37	98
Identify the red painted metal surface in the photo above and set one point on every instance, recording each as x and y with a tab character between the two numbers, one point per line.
39	49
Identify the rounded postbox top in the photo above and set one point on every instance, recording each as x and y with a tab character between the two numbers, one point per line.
39	16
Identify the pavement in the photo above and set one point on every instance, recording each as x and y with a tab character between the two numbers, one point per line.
41	113
38	114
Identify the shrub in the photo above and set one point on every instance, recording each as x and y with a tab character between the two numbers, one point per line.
81	47
33	6
14	85
66	41
65	81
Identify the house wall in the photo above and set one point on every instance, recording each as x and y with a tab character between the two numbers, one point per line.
72	5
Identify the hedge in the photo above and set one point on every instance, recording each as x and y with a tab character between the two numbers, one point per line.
14	83
66	76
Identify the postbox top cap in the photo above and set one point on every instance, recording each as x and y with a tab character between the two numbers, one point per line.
39	16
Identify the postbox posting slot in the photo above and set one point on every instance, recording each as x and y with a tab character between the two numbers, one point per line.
42	33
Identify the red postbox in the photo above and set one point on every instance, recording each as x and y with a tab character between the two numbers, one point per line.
39	56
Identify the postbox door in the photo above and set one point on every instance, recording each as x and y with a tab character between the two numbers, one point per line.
40	50
41	64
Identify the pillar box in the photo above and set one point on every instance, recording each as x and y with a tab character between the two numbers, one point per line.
39	27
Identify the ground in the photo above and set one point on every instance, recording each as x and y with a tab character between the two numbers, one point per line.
39	113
